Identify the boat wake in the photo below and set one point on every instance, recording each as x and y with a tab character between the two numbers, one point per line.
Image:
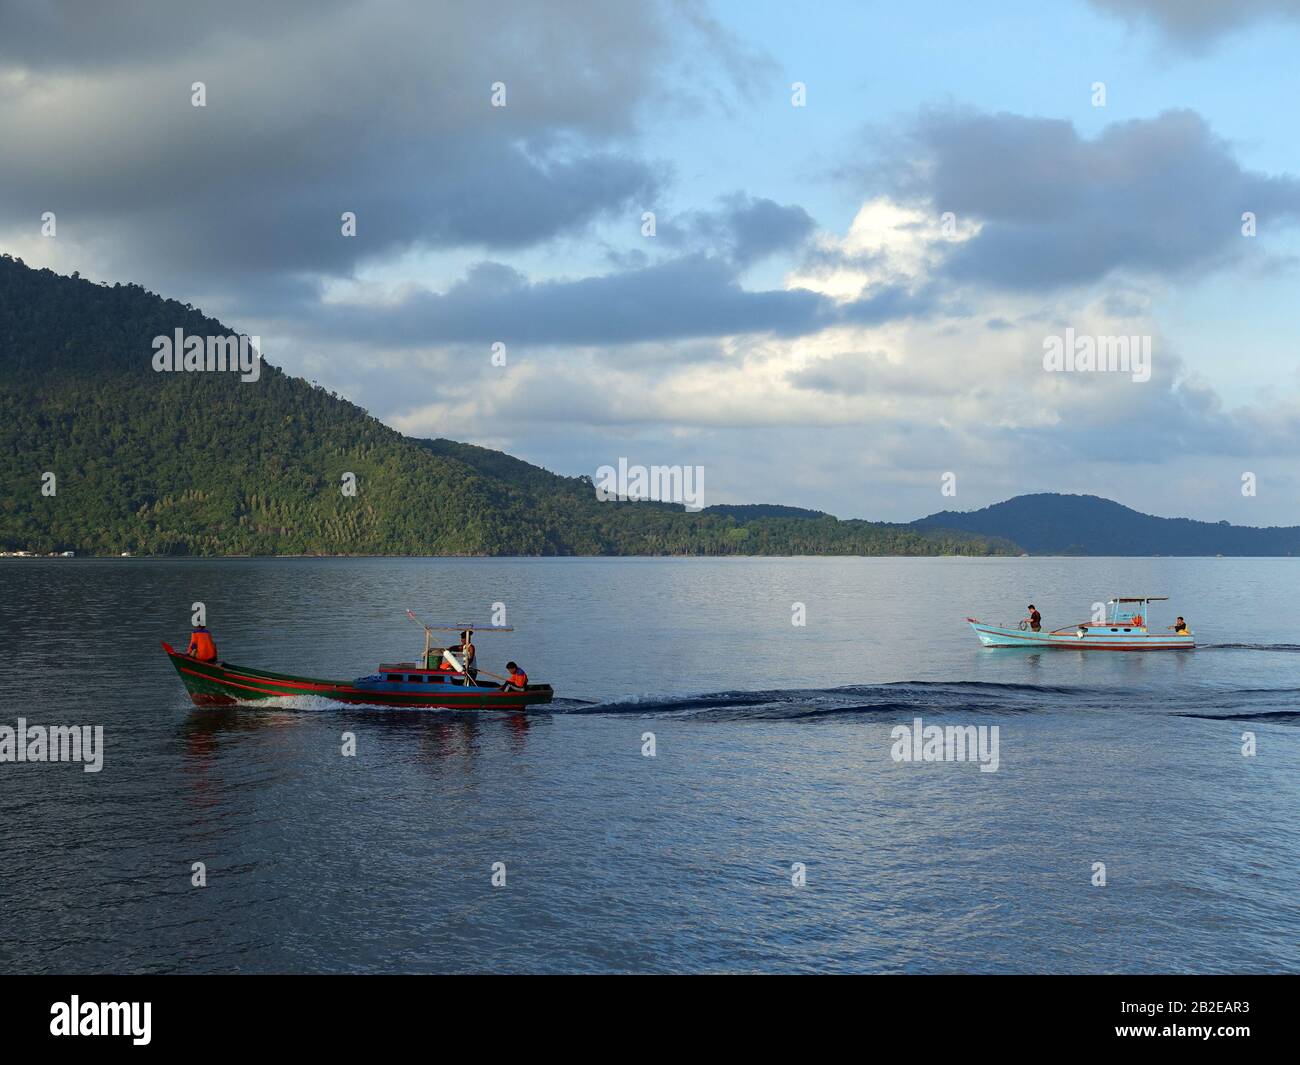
899	701
1275	717
905	698
1248	647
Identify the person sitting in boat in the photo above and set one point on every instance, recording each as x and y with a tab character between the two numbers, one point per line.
518	679
1179	626
1035	619
202	645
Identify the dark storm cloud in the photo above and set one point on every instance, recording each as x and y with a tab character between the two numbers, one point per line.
744	229
1194	23
383	109
695	296
691	296
257	222
1159	196
762	227
74	34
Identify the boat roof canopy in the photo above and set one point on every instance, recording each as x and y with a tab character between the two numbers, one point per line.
1139	599
469	627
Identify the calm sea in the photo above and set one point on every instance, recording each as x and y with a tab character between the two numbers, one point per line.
772	765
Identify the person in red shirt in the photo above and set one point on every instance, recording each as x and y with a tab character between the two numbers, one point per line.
1035	618
518	678
202	646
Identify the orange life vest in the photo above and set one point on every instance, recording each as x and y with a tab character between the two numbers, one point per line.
202	646
519	679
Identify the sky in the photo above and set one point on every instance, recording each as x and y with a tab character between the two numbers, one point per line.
869	220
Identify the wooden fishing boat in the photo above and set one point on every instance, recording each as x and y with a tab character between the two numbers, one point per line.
448	686
1125	629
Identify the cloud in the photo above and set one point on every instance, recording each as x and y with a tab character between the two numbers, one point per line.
846	374
1193	24
888	244
1161	197
66	35
744	229
381	109
692	296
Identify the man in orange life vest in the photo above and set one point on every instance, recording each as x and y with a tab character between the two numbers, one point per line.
202	646
518	679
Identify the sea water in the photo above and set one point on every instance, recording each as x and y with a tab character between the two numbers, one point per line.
717	786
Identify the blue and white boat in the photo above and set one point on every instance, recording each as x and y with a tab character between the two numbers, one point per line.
1125	629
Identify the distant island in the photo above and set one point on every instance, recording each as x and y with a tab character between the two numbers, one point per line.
149	463
1050	524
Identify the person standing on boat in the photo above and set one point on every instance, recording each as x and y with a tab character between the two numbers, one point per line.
202	645
467	653
518	679
1035	618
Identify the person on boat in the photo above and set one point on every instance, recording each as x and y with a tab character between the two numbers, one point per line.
518	679
1035	619
1179	626
202	645
466	651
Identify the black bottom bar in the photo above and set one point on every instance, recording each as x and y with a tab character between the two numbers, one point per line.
339	1013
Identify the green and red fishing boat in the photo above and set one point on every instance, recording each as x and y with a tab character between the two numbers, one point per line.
453	684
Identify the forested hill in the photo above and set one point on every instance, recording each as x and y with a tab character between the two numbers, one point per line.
202	463
1048	523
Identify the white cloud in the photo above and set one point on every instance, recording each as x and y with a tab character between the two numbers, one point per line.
887	242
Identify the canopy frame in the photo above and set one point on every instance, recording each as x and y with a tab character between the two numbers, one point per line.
467	628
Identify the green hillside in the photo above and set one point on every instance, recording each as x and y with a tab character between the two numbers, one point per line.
203	464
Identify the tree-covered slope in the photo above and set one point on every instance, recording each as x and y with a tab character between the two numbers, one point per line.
202	463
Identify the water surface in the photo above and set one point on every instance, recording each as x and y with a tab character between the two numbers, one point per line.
773	748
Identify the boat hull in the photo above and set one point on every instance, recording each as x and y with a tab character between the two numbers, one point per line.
1094	638
222	684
